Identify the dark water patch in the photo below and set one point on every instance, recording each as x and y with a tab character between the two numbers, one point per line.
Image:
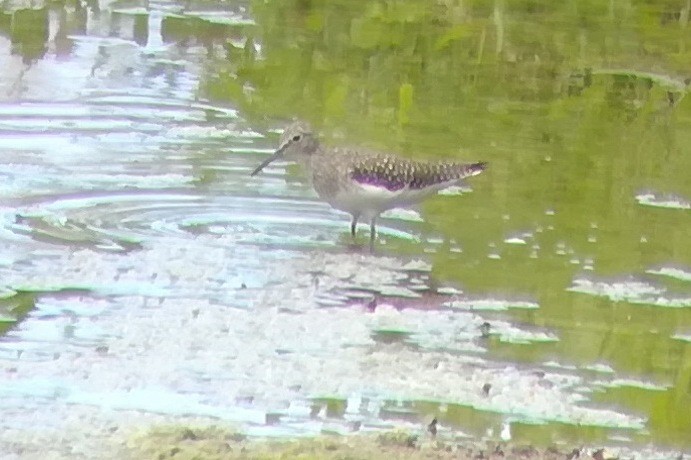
390	336
14	306
653	399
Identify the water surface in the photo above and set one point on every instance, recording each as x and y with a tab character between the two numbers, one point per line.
144	270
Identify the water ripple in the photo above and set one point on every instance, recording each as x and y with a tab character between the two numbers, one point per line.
118	220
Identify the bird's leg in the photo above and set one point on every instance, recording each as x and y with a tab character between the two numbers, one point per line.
372	233
353	225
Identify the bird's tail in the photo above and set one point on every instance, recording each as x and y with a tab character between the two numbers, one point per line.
441	174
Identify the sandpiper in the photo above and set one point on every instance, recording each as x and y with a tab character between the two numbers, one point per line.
366	183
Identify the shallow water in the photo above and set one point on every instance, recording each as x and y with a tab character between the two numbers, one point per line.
144	270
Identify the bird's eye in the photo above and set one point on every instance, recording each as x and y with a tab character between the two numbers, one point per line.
296	137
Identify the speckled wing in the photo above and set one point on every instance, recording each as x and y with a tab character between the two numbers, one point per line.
394	174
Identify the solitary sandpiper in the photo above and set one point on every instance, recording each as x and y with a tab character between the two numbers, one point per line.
366	183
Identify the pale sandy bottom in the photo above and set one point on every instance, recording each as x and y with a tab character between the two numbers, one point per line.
209	330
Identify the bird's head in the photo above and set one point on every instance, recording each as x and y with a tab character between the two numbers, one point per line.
297	143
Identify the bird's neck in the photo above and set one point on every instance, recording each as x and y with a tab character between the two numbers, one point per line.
319	155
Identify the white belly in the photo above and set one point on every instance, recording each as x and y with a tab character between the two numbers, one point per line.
369	201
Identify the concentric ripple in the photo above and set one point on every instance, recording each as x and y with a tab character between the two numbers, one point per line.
117	221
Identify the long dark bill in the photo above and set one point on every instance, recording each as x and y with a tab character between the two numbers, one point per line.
277	154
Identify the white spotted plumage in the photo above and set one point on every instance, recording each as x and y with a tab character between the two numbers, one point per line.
364	183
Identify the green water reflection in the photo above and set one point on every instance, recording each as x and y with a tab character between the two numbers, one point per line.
13	308
579	108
